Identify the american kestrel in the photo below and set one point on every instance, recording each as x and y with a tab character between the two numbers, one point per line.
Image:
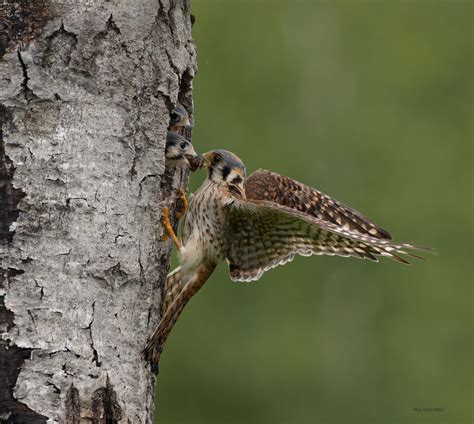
255	224
179	119
179	151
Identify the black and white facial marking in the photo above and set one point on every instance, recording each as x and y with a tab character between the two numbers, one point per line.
226	168
177	147
237	180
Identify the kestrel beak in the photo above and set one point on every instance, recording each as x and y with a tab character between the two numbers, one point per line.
205	160
187	123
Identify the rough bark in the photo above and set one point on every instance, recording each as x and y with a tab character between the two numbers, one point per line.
85	93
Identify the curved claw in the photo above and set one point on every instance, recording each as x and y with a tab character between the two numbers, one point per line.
168	229
182	198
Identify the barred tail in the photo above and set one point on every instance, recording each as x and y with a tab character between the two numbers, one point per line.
192	284
172	288
153	348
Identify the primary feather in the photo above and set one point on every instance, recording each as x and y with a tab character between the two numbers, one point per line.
263	235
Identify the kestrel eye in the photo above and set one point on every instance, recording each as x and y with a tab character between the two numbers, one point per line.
216	159
174	117
183	145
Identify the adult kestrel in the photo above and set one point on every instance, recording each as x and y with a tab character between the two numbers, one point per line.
255	224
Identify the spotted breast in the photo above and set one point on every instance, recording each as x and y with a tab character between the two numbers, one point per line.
203	227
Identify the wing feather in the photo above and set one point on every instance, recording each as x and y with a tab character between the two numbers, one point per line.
263	235
273	187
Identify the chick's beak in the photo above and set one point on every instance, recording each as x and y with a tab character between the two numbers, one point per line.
192	154
187	123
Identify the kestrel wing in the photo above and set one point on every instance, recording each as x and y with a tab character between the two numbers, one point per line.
262	235
266	185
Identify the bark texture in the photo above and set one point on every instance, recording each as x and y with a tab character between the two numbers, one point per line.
86	88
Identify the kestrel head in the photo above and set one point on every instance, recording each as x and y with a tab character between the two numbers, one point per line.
179	117
179	150
225	168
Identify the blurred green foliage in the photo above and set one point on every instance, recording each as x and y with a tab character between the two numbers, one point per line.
371	102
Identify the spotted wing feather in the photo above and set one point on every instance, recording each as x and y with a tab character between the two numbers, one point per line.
263	235
266	185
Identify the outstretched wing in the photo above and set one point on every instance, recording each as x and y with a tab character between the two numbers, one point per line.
266	185
262	235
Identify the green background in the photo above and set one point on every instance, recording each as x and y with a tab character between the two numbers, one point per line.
370	102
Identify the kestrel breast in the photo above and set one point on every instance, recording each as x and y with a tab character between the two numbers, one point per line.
203	231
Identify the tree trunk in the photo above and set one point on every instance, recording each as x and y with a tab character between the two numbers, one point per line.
86	88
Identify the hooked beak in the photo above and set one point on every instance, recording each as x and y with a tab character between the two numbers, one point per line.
205	160
199	161
187	123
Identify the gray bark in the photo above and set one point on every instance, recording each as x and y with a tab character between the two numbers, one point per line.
86	88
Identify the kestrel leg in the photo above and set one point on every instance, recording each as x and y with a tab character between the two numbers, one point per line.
168	229
184	202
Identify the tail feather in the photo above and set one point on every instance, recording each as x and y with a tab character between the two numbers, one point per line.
152	350
190	285
172	288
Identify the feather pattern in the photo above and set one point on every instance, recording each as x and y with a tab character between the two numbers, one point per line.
172	288
263	235
191	283
266	185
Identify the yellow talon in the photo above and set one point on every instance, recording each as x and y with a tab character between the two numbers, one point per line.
184	201
168	229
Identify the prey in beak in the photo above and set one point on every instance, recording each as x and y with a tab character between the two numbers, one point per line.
195	162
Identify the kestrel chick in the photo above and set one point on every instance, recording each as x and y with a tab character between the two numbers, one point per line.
257	223
180	151
179	118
